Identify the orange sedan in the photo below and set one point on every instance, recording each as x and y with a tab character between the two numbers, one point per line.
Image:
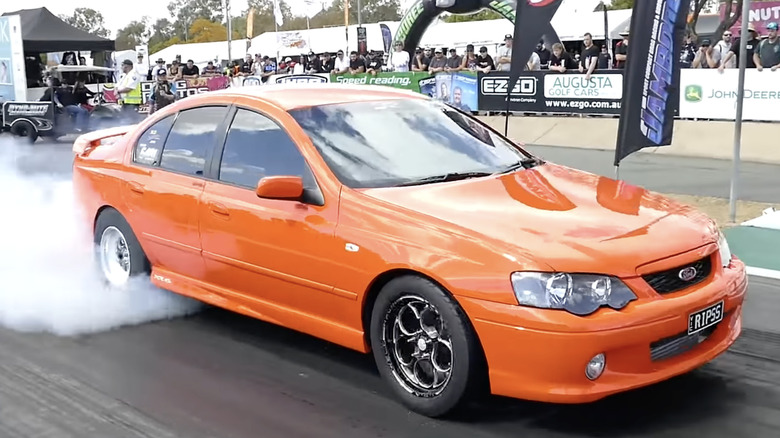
388	222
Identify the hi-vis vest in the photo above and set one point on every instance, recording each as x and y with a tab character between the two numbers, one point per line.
132	98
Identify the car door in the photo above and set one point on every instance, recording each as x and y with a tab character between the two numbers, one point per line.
162	197
267	251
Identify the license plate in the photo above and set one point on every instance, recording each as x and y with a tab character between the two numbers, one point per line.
701	319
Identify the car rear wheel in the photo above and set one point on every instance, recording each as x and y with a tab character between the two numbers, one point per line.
424	346
26	130
118	253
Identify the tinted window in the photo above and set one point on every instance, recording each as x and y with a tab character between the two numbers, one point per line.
384	143
191	139
257	147
147	151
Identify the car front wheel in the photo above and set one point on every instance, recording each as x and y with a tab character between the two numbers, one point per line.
118	253
425	347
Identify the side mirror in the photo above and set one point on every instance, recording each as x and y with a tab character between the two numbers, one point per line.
280	187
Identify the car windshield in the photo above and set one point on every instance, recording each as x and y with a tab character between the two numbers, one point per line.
393	142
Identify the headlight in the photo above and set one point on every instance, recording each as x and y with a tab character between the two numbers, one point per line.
580	294
725	251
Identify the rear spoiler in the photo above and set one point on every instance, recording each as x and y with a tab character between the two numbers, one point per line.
94	139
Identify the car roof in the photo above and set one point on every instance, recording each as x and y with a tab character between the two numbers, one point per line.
305	95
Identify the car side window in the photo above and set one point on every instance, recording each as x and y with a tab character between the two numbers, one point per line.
191	139
150	144
255	148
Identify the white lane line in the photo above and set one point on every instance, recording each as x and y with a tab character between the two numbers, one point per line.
761	272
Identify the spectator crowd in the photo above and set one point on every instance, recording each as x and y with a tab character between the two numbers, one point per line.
588	58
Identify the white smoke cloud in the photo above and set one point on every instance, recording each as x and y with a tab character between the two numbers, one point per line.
48	281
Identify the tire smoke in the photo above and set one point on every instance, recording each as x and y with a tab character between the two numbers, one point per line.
49	281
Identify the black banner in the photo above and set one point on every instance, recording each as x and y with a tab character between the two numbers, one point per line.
551	92
532	22
362	40
651	88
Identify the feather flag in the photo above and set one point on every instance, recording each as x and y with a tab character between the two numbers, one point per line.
250	23
278	13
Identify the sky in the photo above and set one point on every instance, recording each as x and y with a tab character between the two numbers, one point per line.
118	14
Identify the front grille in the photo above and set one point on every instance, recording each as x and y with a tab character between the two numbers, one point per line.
678	344
666	282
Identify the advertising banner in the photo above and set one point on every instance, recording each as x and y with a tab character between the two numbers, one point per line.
761	13
419	82
315	78
710	94
456	89
546	92
40	114
182	89
651	86
13	77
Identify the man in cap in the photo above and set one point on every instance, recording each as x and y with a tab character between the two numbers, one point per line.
161	95
140	66
153	69
752	43
126	87
621	50
768	52
505	54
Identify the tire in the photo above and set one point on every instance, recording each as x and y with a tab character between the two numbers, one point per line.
118	255
437	310
25	129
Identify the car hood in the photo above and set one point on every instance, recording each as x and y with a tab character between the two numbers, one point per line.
568	219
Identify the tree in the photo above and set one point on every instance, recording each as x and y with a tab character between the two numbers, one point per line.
205	31
134	34
162	31
88	20
618	4
185	12
162	45
697	6
372	11
733	9
484	14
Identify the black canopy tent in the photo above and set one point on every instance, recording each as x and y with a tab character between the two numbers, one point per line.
44	32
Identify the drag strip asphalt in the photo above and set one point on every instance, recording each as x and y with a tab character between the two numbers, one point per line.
669	174
218	374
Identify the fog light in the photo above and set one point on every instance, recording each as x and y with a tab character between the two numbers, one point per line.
596	366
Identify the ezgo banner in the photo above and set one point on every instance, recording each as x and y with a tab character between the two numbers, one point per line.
551	92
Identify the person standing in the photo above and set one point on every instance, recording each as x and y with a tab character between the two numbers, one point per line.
621	50
768	52
751	43
161	95
126	88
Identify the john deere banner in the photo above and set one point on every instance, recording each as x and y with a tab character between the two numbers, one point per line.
546	92
652	78
710	94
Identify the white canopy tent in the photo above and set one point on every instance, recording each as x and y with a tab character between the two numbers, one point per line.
328	39
571	27
202	53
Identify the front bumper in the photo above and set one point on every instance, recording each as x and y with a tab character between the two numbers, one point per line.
541	355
